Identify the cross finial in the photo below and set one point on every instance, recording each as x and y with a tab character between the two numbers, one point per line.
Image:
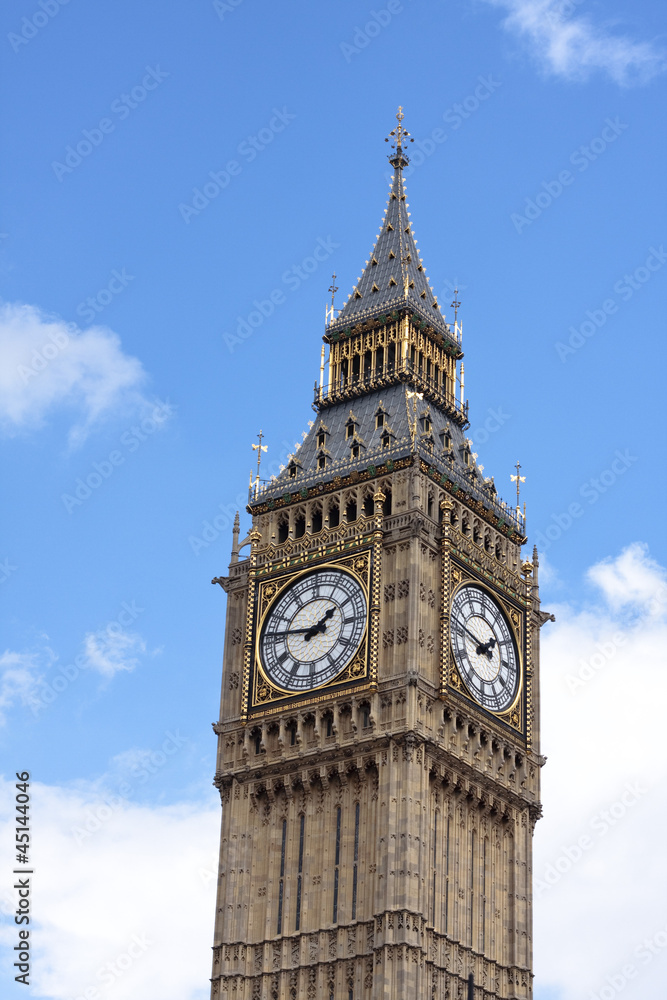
456	304
333	288
259	448
518	480
401	135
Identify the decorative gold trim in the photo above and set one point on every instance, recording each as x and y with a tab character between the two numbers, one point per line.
254	536
265	690
374	611
508	714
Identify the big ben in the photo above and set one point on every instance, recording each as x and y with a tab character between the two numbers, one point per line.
378	739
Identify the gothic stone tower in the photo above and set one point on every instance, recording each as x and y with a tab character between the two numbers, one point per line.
378	741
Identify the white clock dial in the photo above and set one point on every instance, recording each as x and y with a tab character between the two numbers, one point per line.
313	629
484	648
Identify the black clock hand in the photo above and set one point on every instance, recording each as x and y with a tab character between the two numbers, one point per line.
482	647
472	636
309	632
321	625
292	631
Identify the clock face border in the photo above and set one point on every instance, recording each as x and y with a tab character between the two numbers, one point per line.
264	692
515	715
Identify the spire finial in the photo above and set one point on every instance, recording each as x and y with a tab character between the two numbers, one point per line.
330	313
518	480
400	135
259	448
456	305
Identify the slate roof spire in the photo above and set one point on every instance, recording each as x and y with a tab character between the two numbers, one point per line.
394	277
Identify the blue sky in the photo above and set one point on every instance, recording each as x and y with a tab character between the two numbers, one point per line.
168	167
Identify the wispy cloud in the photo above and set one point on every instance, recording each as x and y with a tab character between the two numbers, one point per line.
573	47
111	650
19	677
35	678
47	364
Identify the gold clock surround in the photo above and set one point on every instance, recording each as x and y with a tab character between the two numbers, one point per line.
516	715
264	695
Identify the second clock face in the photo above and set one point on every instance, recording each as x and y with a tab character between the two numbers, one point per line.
313	629
484	648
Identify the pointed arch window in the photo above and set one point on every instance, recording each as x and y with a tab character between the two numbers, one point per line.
336	868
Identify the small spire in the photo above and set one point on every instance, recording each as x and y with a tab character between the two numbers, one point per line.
235	538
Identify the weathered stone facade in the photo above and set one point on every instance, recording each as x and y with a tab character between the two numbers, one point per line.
377	831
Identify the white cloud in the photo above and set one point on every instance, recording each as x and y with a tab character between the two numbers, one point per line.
603	692
111	650
19	677
128	908
632	579
36	678
46	363
573	47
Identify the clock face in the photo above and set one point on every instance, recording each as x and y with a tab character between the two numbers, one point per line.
313	629
484	648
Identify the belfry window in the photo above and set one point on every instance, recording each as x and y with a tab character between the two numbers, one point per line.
336	868
435	864
302	823
356	859
281	885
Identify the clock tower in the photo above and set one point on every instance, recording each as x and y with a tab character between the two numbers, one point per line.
378	739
